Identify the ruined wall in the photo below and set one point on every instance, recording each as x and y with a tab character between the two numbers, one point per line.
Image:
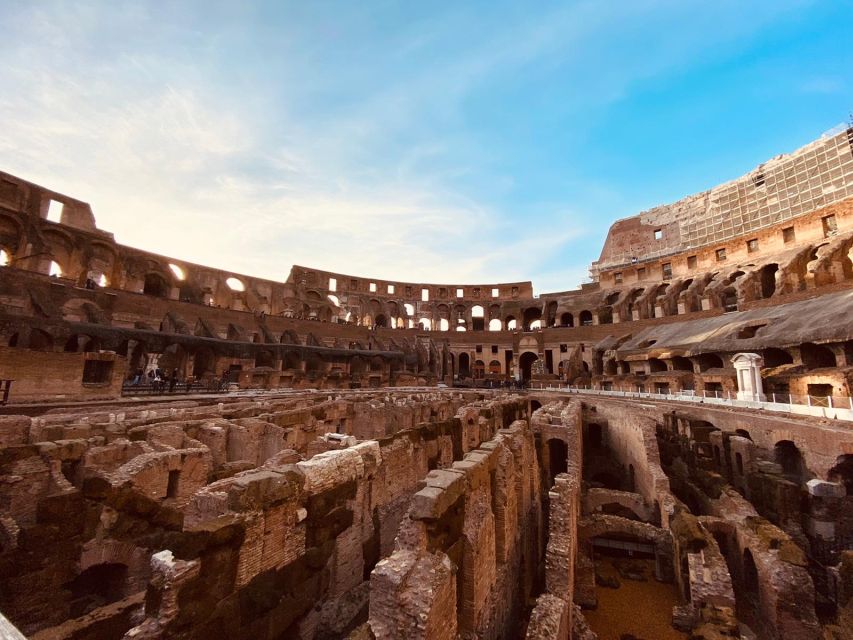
475	528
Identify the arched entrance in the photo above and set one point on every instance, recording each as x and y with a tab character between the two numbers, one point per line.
526	363
464	365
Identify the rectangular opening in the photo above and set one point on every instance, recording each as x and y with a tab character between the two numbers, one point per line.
494	348
752	245
641	273
666	268
460	293
54	211
564	348
549	361
479	348
172	485
788	234
692	262
424	295
721	255
495	293
390	288
617	277
830	225
353	284
333	284
372	287
508	360
820	394
658	234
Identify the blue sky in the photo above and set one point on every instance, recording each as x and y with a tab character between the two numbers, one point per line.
437	142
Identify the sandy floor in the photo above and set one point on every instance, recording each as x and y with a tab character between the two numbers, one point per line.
641	608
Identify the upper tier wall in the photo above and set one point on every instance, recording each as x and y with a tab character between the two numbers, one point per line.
783	188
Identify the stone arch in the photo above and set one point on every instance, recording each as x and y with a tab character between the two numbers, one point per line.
155	284
567	319
525	363
40	340
767	280
816	356
774	357
464	365
530	316
707	361
788	456
842	472
585	318
656	365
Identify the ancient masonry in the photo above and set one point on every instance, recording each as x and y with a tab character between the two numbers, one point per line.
187	452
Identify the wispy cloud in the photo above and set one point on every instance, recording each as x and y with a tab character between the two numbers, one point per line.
254	137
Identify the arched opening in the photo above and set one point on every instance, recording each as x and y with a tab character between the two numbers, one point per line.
179	273
464	365
842	472
605	315
381	320
425	324
511	323
479	370
54	270
707	361
4	258
680	363
495	324
40	340
526	363
788	456
234	284
610	368
585	318
264	359
768	280
656	365
155	285
97	586
494	368
816	356
477	318
81	343
567	320
443	324
774	357
531	315
173	358
558	458
204	362
292	361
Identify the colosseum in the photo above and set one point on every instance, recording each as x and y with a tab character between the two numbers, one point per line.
663	453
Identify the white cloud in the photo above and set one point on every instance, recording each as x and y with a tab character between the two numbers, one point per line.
127	110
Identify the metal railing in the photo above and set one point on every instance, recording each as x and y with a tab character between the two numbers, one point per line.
166	388
834	407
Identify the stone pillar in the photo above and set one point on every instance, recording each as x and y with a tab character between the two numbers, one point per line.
748	367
